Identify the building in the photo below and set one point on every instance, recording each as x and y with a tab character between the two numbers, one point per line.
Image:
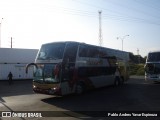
15	60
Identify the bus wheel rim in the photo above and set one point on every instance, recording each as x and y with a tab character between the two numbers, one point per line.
79	89
116	82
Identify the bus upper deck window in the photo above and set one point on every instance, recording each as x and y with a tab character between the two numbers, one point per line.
70	52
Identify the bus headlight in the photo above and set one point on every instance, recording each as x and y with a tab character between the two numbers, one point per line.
34	87
56	90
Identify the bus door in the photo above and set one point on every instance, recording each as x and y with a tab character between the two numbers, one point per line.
110	69
68	68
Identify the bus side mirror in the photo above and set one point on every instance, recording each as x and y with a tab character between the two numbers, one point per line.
28	65
145	67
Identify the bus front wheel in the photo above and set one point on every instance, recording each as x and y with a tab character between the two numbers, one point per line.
79	88
117	81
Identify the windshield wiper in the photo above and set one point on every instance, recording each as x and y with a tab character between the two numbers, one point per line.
51	58
38	81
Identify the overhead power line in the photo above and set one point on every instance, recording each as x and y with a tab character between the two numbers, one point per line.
149	5
100	29
113	15
122	16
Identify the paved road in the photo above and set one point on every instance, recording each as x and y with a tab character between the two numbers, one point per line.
135	95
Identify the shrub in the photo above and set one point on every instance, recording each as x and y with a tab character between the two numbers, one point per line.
140	71
137	69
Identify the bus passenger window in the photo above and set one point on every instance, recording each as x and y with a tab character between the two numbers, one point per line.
102	53
71	52
93	52
83	51
88	51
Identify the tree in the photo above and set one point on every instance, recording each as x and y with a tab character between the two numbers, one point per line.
136	64
137	59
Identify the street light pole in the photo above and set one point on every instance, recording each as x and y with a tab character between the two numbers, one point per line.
122	38
0	31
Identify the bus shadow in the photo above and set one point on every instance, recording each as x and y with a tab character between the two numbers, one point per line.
142	82
92	103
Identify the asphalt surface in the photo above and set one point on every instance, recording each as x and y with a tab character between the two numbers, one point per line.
135	96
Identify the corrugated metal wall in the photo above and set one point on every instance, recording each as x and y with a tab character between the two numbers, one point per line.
18	71
15	60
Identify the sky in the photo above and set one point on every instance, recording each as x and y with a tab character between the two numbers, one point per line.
32	23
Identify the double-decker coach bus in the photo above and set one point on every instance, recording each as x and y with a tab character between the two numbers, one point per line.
63	68
152	67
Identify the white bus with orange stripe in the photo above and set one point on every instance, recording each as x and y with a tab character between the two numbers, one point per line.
63	68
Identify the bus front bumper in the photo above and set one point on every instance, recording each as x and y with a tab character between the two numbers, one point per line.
51	91
152	78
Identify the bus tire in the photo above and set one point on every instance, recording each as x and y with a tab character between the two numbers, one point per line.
80	88
117	82
122	80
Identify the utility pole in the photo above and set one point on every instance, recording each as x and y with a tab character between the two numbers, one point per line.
0	31
122	38
100	29
11	42
137	51
138	56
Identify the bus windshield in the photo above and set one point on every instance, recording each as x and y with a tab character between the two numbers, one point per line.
45	73
51	51
153	57
153	68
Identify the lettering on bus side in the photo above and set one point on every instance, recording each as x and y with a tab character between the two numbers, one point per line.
95	71
94	62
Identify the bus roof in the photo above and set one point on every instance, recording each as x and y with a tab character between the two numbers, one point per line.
118	53
85	44
61	42
155	51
